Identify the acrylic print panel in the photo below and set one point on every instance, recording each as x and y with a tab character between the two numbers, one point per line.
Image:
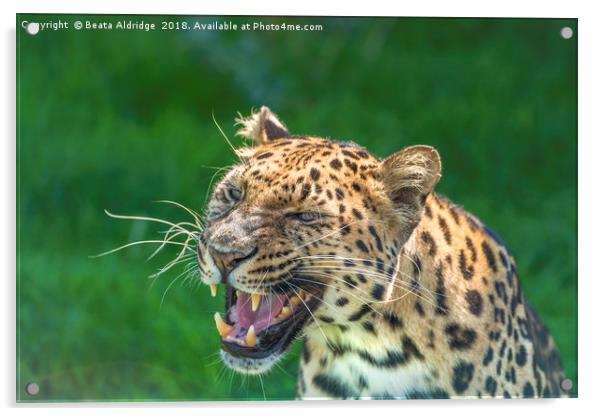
250	208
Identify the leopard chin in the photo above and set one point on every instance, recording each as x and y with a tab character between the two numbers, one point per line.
250	366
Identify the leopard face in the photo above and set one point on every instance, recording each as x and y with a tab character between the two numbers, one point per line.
305	235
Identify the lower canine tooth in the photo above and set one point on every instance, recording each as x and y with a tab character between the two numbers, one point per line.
255	299
223	328
251	339
213	289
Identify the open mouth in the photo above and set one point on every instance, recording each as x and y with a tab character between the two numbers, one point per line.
257	326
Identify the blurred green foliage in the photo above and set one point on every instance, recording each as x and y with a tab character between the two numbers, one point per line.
119	119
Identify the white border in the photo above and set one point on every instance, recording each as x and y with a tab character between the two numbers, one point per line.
508	8
590	347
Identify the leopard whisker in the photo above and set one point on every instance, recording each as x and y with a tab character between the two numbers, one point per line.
223	134
221	374
209	187
410	290
178	257
382	276
151	219
169	287
134	243
166	240
262	388
327	258
374	276
185	272
325	274
336	309
216	360
185	258
332	233
283	370
416	266
342	290
197	217
311	314
340	259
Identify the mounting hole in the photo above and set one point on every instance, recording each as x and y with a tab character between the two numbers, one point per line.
32	28
32	389
566	384
566	32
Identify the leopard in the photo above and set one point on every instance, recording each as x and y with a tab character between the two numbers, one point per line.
394	291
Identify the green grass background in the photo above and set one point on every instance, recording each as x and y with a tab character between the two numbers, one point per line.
116	120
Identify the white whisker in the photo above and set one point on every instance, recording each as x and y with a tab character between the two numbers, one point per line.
223	134
342	290
312	315
166	240
151	219
197	217
137	243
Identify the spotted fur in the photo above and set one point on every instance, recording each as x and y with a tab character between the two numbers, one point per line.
418	298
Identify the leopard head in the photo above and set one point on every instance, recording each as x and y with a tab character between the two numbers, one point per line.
305	235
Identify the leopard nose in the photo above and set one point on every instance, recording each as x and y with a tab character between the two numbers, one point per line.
226	262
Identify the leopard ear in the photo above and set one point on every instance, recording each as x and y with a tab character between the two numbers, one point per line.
409	176
262	127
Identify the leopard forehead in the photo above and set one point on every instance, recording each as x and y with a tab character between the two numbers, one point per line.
312	167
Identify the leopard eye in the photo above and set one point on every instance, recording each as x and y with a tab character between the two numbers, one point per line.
305	217
233	194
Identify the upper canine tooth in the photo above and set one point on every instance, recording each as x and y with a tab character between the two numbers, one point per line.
295	301
213	289
301	294
255	299
251	338
223	328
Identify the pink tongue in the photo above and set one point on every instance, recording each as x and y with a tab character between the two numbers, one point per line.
269	308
